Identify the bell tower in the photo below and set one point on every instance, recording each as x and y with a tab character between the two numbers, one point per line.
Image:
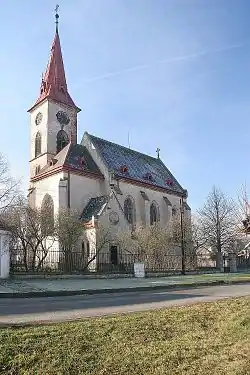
53	117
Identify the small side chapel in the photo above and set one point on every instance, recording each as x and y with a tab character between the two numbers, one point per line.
109	184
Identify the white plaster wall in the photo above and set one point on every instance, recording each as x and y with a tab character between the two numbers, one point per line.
49	128
4	255
83	188
54	126
42	128
40	160
143	207
122	225
49	185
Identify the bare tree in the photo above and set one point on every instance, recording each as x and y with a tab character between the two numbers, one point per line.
32	234
153	245
9	188
193	240
69	230
218	221
71	233
243	212
199	241
243	221
145	241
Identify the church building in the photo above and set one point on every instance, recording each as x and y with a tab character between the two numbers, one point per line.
107	183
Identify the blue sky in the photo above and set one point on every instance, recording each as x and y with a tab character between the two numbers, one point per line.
175	74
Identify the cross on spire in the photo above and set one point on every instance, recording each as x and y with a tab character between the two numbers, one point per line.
56	16
54	85
158	152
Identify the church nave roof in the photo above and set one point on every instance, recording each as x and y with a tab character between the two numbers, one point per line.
132	165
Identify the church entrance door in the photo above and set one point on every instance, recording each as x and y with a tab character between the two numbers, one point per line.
113	255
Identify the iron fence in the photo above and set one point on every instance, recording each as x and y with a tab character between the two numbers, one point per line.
243	262
55	261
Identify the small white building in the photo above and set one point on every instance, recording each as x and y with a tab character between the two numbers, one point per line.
120	187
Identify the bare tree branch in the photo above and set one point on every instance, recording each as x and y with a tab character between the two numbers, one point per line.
103	236
68	230
159	248
30	229
218	222
9	188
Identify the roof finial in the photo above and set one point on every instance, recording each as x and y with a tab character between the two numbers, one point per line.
158	152
56	16
128	140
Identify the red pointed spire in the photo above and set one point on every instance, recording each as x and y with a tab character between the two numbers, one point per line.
54	85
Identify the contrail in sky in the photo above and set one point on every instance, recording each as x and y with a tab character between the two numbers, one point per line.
168	61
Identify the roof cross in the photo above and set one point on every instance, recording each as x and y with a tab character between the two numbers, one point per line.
56	16
158	152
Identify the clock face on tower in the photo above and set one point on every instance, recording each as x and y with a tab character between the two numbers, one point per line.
39	118
62	118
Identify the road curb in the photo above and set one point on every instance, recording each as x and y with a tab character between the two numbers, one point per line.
59	293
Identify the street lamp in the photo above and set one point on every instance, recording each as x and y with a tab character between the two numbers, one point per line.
183	271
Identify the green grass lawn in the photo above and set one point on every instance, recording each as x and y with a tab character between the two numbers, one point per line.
210	338
227	277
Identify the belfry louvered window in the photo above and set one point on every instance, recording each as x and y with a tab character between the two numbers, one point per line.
62	140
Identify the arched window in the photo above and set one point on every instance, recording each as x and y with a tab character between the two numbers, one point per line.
129	210
47	215
154	213
62	140
38	144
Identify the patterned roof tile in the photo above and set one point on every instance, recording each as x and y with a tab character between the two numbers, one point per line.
79	158
76	157
94	208
131	164
54	85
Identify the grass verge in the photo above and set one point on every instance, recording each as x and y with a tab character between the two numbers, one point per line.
212	277
209	338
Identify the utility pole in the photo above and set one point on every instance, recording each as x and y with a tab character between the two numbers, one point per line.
183	271
246	221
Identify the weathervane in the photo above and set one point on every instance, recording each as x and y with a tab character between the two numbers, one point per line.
158	152
56	16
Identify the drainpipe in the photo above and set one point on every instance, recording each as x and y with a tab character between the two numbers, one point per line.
68	190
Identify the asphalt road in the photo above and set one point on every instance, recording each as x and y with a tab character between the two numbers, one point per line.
54	309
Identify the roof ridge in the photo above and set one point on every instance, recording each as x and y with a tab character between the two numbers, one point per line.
63	150
67	151
100	196
124	147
